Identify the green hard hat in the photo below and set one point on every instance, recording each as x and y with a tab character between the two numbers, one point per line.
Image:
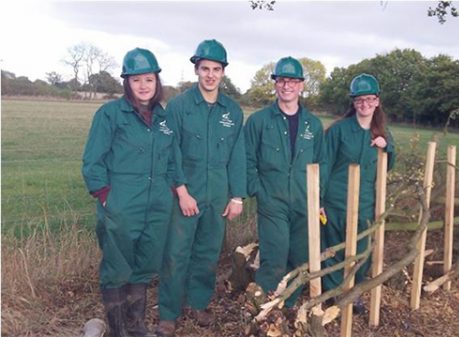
364	84
210	50
288	67
139	61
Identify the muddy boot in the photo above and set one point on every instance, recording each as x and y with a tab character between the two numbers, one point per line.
358	306
136	306
114	300
166	329
204	318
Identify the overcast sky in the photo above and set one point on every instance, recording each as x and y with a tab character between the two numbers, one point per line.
35	36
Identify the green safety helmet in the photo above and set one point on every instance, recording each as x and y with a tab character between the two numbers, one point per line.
210	50
288	67
364	84
139	61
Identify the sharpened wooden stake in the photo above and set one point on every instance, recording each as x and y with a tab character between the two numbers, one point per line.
449	212
419	262
352	216
378	252
315	288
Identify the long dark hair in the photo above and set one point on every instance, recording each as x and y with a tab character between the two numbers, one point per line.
378	122
157	97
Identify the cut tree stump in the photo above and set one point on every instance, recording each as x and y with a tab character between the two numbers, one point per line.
245	262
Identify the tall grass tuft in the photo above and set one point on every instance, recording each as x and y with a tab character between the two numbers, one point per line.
49	282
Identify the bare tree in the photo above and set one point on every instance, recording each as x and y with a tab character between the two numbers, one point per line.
89	60
96	61
74	59
53	78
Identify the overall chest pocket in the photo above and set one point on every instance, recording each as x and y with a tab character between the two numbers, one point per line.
129	148
304	152
350	154
224	144
271	154
369	163
192	145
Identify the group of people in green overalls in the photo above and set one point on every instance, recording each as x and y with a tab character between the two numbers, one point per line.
166	180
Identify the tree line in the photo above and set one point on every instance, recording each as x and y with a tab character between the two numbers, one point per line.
415	89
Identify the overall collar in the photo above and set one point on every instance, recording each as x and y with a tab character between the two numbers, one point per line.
127	107
355	124
302	111
199	98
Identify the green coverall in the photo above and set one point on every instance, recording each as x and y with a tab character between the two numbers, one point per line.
347	143
278	182
138	162
212	148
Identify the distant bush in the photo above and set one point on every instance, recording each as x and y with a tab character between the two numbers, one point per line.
22	86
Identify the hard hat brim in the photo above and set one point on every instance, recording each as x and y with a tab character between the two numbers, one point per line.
194	59
140	72
273	77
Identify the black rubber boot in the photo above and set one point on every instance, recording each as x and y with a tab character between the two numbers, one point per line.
136	306
114	300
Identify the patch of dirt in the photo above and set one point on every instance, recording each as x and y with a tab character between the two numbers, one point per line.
438	315
74	302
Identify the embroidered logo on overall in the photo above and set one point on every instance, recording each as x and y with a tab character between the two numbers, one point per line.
307	134
226	121
164	128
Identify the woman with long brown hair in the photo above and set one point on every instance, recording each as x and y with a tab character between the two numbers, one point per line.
355	139
129	165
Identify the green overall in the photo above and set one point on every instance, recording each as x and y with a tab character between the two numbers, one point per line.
212	148
138	162
278	182
347	143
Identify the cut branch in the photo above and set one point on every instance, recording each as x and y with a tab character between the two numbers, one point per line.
434	285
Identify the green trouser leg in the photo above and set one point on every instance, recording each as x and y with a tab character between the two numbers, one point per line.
117	260
175	265
333	233
202	270
190	261
283	247
149	248
132	248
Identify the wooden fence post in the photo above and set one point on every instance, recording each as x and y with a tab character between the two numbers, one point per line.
449	212
378	252
315	288
352	217
419	262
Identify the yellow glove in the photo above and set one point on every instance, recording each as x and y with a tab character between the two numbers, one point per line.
323	219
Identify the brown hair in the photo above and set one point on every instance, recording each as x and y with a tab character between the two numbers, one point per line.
378	122
198	62
157	97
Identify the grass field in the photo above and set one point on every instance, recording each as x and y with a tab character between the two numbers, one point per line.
42	145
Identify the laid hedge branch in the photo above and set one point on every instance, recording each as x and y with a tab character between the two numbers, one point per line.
301	276
434	285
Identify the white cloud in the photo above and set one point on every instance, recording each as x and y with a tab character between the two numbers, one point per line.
36	35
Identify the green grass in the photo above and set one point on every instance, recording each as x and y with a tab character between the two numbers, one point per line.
42	145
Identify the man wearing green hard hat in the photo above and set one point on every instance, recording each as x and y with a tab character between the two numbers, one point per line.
281	140
129	165
211	140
